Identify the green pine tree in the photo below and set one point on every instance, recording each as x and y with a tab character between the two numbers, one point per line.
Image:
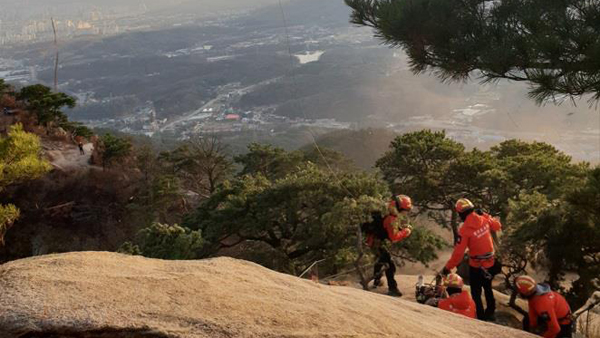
20	161
554	45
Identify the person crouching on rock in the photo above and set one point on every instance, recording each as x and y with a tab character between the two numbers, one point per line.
476	235
458	301
394	227
547	309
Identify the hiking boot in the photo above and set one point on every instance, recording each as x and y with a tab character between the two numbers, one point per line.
490	318
394	293
376	283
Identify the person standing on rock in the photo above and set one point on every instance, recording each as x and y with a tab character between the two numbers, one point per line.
546	308
476	235
81	151
393	228
459	301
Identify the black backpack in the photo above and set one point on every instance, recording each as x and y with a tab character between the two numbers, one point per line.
375	227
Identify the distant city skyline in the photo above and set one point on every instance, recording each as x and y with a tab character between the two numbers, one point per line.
175	72
29	8
28	21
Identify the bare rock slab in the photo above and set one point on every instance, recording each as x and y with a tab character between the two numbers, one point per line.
108	295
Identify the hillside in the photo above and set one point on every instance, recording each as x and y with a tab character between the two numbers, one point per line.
364	147
103	294
66	156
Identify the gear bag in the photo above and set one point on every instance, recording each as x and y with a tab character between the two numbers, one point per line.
375	228
496	268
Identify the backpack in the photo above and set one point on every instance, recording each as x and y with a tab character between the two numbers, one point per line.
375	228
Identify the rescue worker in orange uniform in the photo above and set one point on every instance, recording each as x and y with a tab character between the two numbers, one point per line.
476	235
458	301
394	228
546	308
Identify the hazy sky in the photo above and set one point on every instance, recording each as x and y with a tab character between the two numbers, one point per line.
34	6
20	10
212	5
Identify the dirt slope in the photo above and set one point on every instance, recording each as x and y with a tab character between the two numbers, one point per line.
67	156
92	295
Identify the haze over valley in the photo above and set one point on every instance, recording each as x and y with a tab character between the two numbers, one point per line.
248	71
355	168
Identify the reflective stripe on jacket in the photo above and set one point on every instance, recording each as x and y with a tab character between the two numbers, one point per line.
476	235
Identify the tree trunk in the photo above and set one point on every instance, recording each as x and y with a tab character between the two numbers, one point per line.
357	264
513	304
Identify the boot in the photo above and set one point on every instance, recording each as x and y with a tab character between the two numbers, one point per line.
394	293
490	318
376	283
489	315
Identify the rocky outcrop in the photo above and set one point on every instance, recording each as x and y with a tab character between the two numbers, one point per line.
589	316
93	295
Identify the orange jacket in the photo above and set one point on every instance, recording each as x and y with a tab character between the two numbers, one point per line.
392	225
391	230
552	305
475	234
460	303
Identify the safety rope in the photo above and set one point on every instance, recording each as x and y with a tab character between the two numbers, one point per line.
293	97
347	272
587	319
310	267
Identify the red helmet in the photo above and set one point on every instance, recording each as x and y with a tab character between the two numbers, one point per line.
454	281
402	202
463	205
525	285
